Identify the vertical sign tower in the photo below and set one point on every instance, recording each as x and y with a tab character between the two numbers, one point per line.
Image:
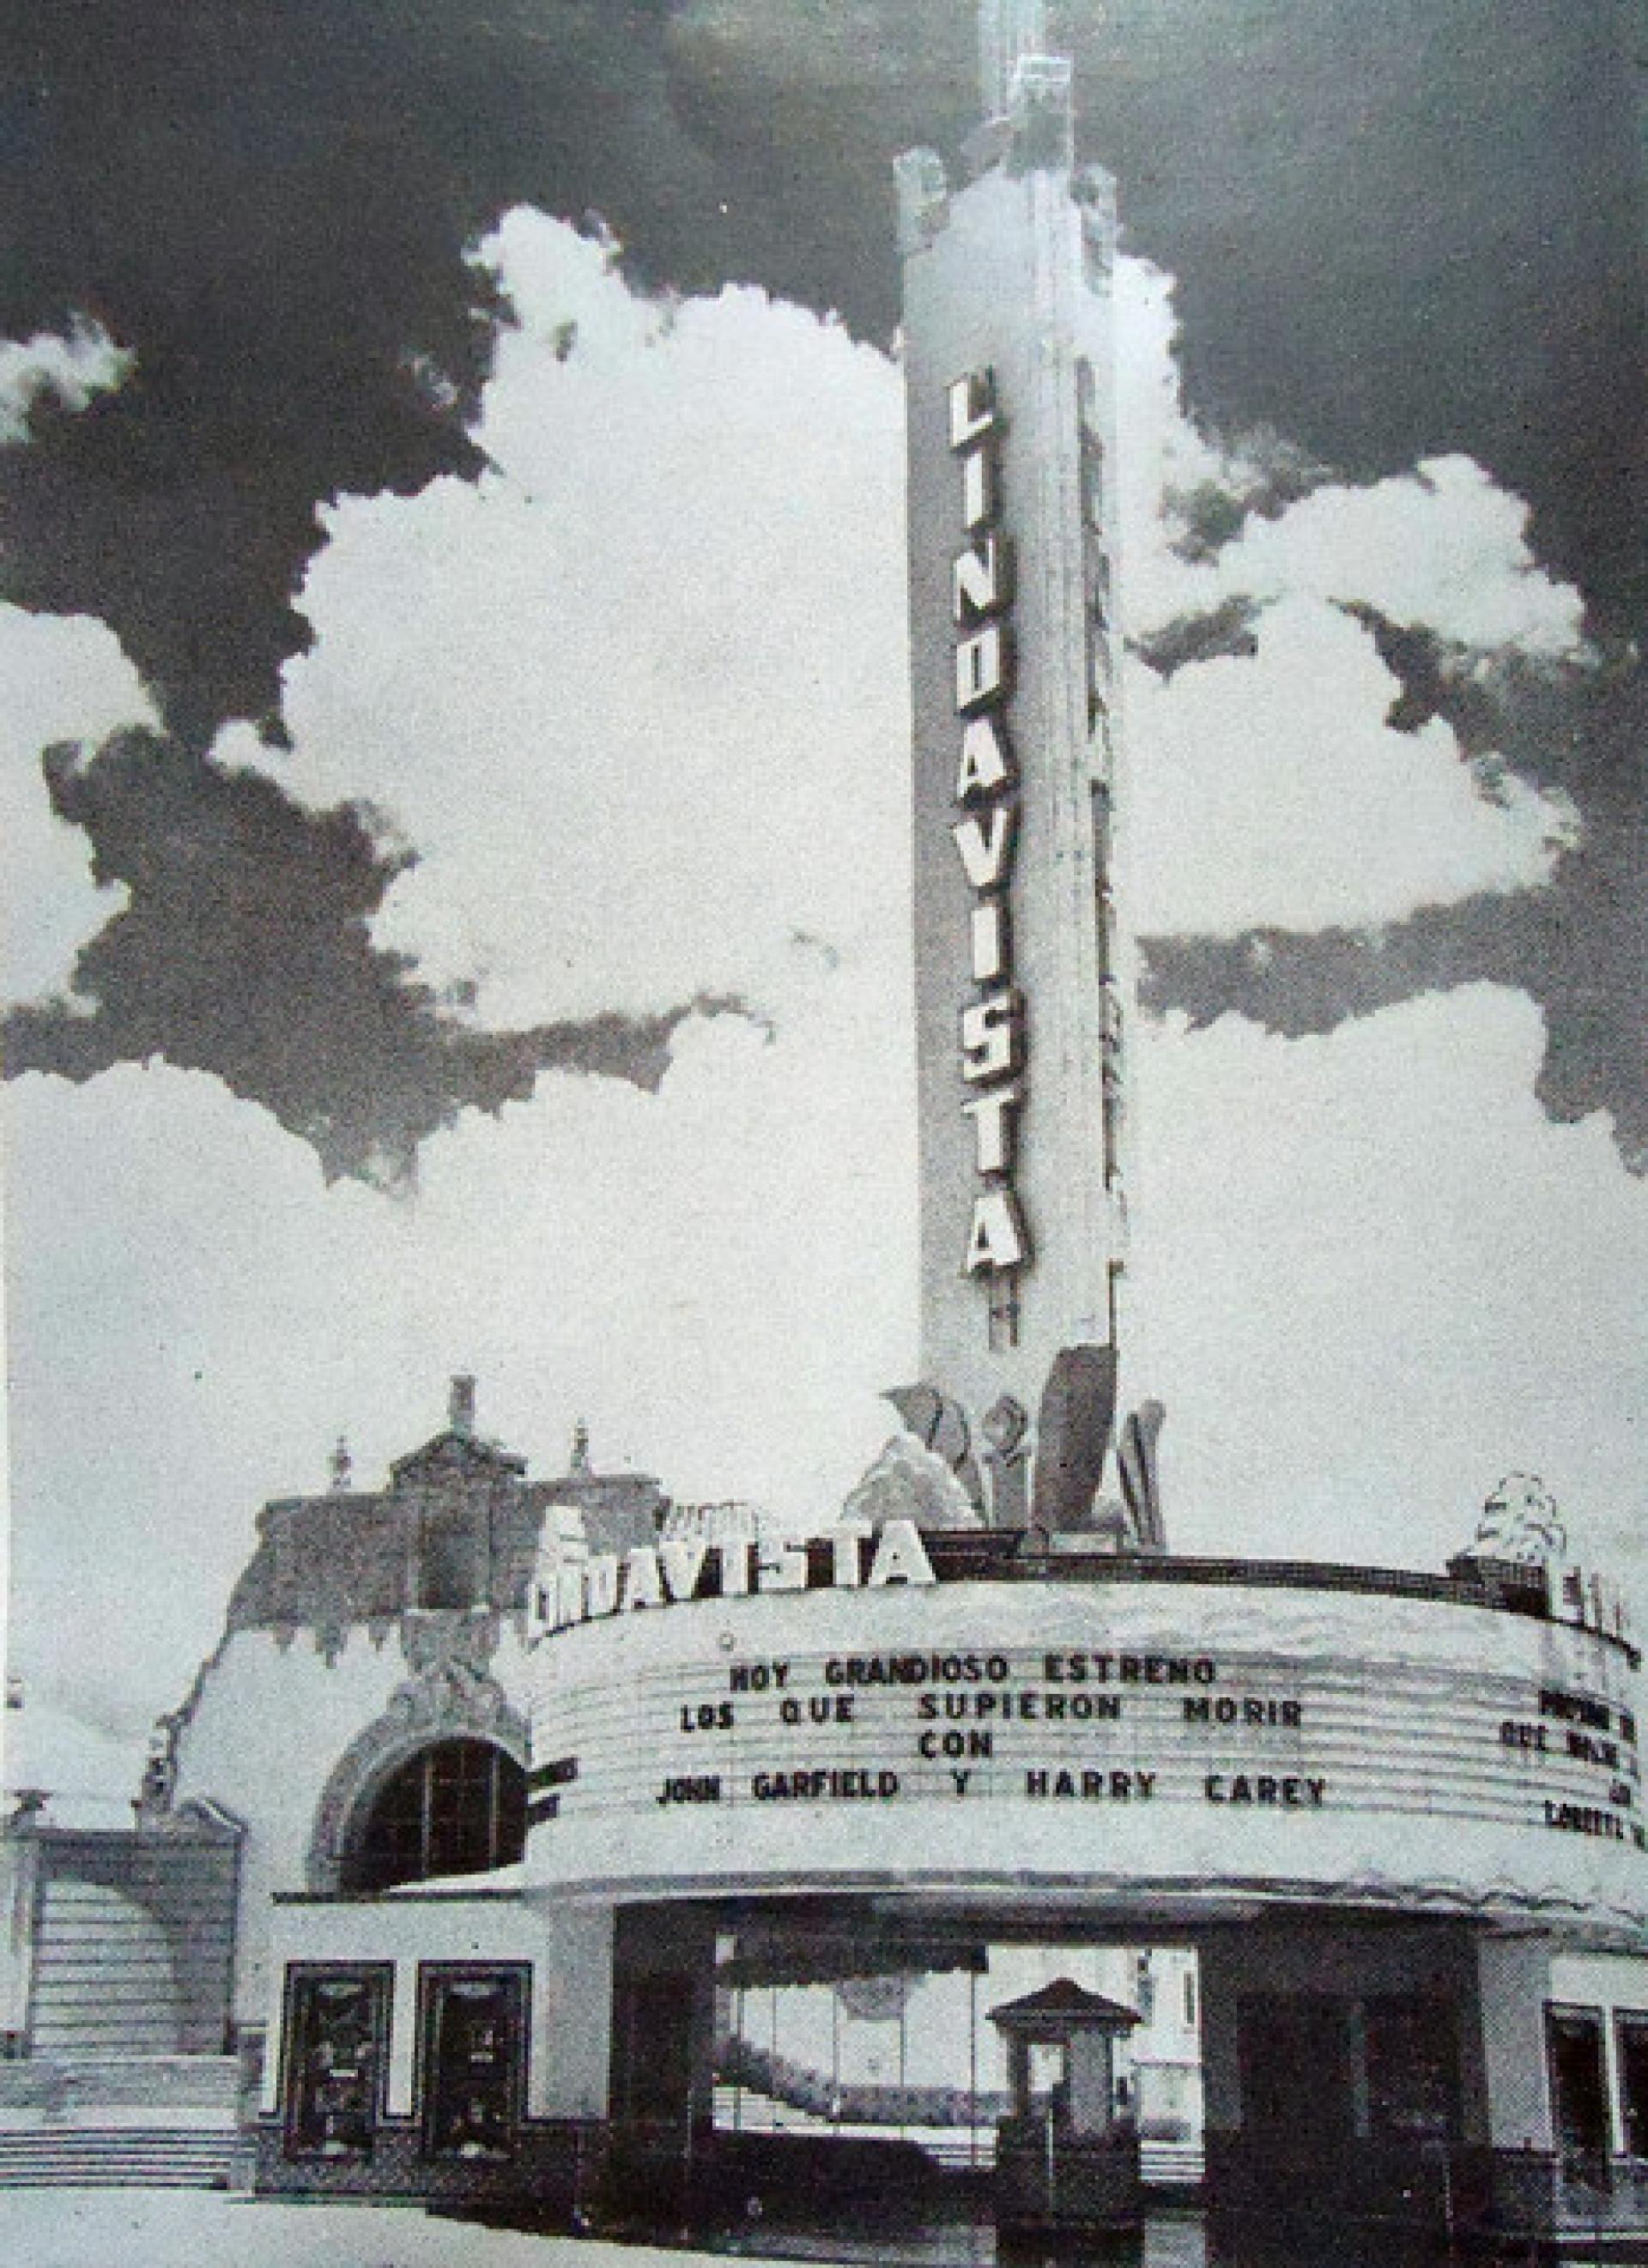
1009	372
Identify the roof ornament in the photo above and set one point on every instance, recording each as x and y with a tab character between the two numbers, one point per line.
579	1463
461	1405
1008	30
341	1465
1520	1522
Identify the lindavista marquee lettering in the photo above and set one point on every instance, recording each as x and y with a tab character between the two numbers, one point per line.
571	1588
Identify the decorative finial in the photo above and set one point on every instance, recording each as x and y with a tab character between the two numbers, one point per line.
343	1465
1520	1522
580	1447
461	1404
160	1771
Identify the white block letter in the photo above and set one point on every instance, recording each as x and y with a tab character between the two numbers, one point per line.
991	1033
980	581
641	1586
900	1556
972	406
601	1585
993	1128
986	857
980	667
996	1239
844	1540
986	763
682	1559
782	1569
978	488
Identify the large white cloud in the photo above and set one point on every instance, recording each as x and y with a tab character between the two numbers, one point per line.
1270	789
637	696
1372	1277
65	679
1440	545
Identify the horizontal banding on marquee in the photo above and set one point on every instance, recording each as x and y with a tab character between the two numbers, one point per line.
986	834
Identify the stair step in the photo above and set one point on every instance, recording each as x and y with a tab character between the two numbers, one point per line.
161	2085
90	2177
117	2137
118	2157
200	2150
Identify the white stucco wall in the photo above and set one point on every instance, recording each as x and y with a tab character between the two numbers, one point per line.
1514	1973
269	1726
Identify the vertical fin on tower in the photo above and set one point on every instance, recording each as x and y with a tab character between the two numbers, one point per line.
939	1423
1141	1488
1042	116
1078	1411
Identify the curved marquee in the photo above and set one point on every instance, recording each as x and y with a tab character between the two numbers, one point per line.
1201	1743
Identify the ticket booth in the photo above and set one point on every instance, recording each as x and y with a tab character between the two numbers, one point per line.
1067	2150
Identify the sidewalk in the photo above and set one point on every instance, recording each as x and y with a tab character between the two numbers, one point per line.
195	2228
202	2229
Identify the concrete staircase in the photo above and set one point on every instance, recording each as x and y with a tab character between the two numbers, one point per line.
126	2121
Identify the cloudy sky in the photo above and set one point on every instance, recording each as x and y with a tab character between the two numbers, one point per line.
454	764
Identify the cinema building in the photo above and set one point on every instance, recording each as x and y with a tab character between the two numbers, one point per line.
621	1863
606	1863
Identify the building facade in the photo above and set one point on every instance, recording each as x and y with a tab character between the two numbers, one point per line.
799	1818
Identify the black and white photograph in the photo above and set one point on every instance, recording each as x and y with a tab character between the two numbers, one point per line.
825	1132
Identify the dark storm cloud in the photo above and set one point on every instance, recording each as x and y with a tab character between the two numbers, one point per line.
269	206
1567	725
1398	230
1265	474
1227	629
245	951
1296	984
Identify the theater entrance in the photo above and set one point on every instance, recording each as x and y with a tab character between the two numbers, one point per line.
846	2068
835	2064
894	2040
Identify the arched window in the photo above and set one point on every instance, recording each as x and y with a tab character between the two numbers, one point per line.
457	1807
